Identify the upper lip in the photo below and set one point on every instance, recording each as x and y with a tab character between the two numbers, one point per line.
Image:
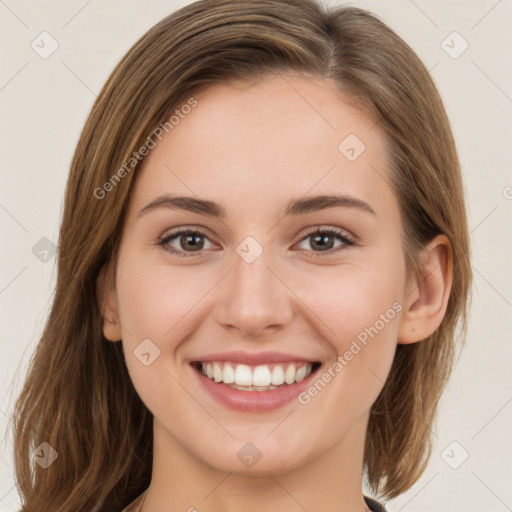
255	358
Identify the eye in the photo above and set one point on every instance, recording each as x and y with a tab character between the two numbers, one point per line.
190	242
322	240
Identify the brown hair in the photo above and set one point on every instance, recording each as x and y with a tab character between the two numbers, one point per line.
78	395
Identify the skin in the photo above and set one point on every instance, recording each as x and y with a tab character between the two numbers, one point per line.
252	149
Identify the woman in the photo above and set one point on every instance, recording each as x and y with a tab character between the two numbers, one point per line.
263	257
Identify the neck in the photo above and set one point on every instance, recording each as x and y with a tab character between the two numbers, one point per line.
329	482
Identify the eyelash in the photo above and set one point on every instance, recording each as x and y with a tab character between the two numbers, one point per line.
347	241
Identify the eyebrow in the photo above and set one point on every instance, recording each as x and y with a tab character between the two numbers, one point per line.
294	208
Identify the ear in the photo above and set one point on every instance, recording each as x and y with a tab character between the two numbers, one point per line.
106	295
427	298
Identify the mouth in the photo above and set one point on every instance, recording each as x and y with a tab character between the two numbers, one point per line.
264	377
255	388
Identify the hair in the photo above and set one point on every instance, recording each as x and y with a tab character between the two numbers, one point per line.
78	395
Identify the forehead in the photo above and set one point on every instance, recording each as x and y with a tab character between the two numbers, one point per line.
282	135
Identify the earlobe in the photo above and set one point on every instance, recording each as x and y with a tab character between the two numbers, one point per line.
427	301
105	292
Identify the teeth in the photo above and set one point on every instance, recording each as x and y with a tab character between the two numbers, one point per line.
243	375
253	388
260	378
300	374
228	375
277	377
217	373
289	375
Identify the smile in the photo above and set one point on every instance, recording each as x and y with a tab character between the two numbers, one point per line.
263	377
249	384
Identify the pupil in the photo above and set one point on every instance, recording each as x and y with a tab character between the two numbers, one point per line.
189	241
322	238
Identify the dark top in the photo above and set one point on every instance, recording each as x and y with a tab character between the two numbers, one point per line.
373	505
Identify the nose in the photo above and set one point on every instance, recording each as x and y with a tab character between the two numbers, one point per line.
253	298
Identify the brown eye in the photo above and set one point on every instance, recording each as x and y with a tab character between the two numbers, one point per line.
323	240
191	241
186	242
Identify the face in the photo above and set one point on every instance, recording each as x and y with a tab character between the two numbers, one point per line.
291	306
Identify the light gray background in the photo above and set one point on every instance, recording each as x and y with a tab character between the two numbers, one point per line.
44	103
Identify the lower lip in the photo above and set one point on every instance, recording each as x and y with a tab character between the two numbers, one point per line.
254	401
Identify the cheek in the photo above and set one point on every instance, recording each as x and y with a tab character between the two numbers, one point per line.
154	298
351	298
160	304
155	303
361	307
